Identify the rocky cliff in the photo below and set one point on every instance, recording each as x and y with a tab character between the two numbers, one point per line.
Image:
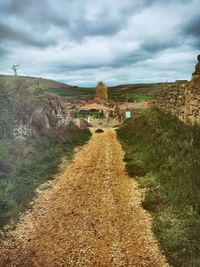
53	114
182	99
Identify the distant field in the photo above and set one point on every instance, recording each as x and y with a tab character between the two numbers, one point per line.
123	92
127	92
135	92
74	93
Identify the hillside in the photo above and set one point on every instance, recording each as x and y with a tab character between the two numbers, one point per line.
35	81
123	92
137	92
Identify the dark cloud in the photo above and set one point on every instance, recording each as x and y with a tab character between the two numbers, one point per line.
86	38
191	30
3	52
8	33
155	46
73	17
193	27
18	6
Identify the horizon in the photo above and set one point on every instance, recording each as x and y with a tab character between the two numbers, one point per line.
80	43
87	86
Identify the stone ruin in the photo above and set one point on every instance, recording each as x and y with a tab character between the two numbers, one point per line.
101	92
182	99
196	74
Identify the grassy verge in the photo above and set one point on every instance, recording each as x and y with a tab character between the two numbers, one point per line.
26	165
163	155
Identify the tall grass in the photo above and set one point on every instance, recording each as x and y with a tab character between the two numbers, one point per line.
25	165
163	154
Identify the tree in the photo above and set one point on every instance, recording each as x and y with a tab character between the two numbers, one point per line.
14	68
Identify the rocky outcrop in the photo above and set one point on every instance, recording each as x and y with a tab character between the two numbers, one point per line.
54	114
182	99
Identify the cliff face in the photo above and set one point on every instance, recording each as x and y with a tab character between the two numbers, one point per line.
183	99
53	114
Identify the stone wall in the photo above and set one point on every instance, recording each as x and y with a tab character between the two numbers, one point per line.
182	99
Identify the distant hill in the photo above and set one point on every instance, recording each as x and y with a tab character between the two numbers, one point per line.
122	92
149	89
34	81
135	92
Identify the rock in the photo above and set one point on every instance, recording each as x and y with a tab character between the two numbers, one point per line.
54	114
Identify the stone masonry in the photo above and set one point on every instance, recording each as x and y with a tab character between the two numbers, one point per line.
182	99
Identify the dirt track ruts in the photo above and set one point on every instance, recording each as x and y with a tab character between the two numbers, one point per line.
91	216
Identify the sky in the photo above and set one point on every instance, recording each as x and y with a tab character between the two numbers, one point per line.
80	42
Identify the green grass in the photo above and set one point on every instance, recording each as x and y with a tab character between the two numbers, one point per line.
74	93
163	154
26	165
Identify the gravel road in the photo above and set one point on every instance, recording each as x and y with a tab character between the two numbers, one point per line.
90	216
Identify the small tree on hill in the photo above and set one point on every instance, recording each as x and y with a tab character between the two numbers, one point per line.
14	68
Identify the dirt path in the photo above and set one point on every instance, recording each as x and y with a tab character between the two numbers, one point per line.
91	216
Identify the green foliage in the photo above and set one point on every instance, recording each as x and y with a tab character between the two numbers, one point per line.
17	103
169	152
40	90
6	113
33	163
5	164
24	165
14	68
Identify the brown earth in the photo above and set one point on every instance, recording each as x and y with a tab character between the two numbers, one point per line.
91	216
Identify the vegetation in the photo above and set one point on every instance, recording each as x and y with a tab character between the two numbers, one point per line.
34	81
124	92
127	92
74	93
163	154
14	68
24	165
134	92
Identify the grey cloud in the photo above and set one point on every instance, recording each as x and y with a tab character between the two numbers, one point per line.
192	30
8	33
192	26
155	46
71	28
72	18
3	52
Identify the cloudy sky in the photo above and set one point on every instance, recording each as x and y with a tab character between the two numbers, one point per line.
83	41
